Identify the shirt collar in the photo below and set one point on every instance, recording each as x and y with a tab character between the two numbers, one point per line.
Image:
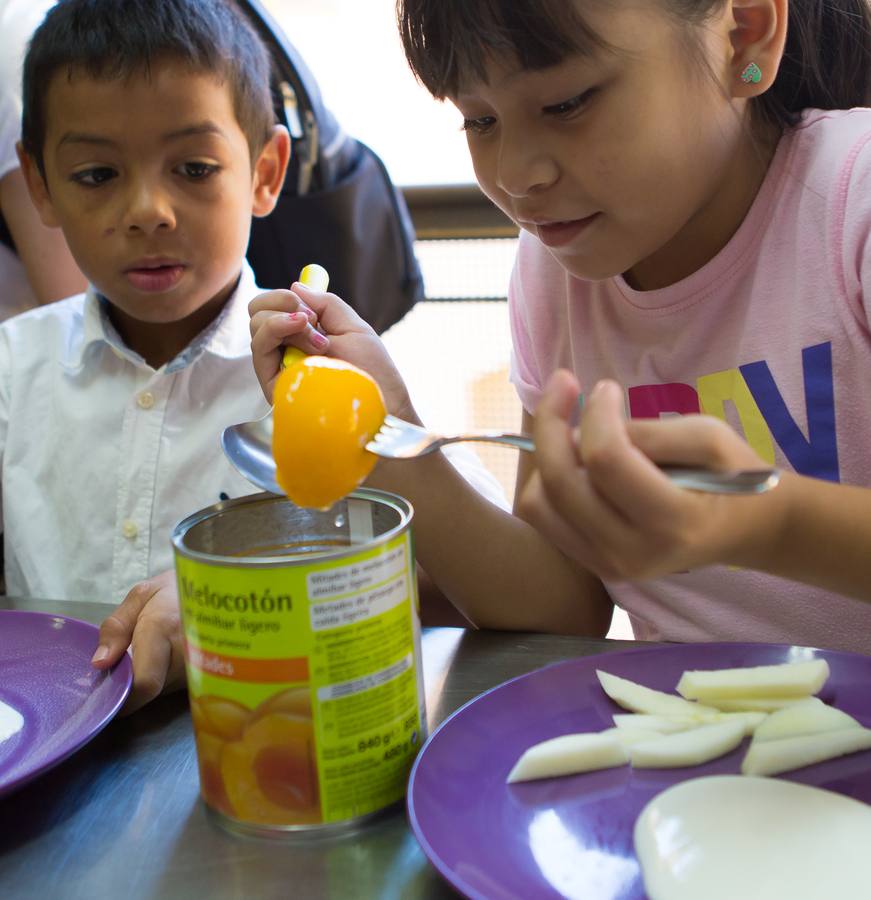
227	337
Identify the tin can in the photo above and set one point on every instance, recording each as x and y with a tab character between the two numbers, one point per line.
302	652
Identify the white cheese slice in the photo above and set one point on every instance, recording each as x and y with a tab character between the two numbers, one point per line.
725	837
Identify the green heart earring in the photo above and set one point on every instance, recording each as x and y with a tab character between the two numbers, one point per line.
752	74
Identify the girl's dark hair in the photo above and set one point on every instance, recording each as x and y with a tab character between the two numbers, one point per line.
826	62
114	39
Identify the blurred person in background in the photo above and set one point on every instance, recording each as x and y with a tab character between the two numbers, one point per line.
35	263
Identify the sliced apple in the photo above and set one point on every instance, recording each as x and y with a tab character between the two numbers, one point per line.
672	724
785	680
640	699
786	754
569	754
755	704
659	724
630	736
810	716
750	721
687	748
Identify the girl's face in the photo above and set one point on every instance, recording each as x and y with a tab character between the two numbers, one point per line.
633	160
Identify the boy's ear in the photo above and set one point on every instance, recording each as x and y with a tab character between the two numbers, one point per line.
269	171
758	37
37	187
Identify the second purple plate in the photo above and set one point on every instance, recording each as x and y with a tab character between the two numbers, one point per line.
572	836
52	701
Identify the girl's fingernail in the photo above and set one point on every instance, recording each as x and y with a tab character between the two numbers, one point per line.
101	654
318	340
297	316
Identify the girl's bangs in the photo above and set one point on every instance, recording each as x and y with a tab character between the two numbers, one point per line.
448	42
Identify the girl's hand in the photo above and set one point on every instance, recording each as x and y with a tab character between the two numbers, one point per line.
601	500
280	318
346	337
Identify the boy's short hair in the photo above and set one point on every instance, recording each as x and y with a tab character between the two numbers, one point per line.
114	39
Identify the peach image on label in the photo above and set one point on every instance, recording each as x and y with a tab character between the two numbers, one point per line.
216	720
259	765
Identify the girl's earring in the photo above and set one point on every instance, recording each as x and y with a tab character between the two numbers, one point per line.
751	74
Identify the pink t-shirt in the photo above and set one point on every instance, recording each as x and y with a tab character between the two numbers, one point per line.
771	335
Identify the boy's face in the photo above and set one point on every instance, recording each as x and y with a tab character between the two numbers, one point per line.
151	181
631	160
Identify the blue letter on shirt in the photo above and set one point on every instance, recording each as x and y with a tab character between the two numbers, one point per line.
818	455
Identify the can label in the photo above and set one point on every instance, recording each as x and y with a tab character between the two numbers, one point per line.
304	683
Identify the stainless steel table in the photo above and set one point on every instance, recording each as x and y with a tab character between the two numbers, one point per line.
122	817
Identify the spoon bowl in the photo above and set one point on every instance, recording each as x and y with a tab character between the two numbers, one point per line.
248	446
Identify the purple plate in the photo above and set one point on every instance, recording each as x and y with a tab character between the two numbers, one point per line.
572	836
52	701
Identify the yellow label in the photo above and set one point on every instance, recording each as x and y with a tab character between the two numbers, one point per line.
305	684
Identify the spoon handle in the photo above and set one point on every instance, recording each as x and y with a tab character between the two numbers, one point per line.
318	279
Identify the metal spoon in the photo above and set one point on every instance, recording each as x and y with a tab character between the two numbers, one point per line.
249	447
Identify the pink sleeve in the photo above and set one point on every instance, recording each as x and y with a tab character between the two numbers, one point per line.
852	230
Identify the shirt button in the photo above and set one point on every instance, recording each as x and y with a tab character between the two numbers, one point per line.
129	530
145	400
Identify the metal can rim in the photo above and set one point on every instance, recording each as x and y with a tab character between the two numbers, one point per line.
402	506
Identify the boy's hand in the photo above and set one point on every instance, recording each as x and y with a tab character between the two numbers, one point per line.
148	622
346	337
602	501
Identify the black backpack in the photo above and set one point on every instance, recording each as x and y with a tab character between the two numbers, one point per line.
338	206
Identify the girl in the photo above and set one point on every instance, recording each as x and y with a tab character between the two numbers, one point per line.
692	187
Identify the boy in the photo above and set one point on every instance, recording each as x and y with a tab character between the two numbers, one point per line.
149	139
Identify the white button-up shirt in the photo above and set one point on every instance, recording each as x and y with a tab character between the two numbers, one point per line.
102	455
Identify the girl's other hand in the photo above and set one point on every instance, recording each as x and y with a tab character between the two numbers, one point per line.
602	500
347	337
